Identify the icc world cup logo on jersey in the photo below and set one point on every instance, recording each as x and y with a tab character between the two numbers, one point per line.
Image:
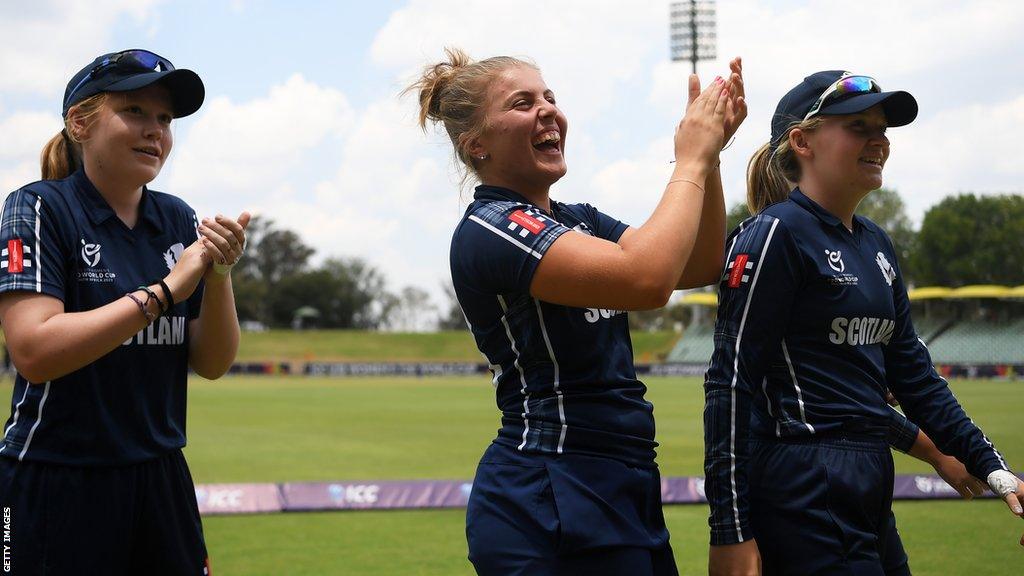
835	260
90	254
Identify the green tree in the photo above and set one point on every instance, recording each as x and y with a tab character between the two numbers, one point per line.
271	254
343	291
885	208
451	317
738	213
969	239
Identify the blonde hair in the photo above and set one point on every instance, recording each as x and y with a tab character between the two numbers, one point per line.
453	93
773	170
63	153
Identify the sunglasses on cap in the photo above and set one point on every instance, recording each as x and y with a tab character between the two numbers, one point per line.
129	60
845	86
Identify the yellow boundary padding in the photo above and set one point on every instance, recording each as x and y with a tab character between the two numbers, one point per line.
923	293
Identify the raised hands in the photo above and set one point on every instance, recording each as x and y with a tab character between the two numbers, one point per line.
712	117
736	113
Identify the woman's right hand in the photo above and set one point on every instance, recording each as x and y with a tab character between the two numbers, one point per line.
742	559
185	275
701	133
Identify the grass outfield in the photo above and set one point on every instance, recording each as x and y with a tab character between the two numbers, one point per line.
358	345
266	429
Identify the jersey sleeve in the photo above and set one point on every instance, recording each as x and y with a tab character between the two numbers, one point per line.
926	398
902	432
605	226
499	246
763	275
33	254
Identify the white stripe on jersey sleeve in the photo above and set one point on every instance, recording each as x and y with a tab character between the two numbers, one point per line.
39	287
508	238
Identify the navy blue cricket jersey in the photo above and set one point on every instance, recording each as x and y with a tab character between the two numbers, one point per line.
813	326
61	238
564	376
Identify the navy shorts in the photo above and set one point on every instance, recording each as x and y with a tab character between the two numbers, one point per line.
135	519
894	558
547	515
824	507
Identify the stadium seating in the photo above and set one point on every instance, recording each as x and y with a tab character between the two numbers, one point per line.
980	342
963	342
695	346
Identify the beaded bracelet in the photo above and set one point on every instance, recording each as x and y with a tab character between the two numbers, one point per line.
142	308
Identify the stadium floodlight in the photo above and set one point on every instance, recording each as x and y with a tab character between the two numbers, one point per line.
692	33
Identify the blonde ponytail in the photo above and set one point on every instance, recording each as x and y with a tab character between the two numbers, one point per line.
62	155
772	172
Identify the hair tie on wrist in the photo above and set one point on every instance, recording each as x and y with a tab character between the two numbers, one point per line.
698	186
167	293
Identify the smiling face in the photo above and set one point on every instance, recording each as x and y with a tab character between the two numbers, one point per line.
130	137
524	133
848	152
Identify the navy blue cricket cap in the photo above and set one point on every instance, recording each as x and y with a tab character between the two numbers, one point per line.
900	107
133	69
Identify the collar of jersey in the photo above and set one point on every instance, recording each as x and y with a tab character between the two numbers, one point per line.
825	216
97	209
488	192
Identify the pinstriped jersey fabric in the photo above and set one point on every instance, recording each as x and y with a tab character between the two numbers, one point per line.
63	240
813	326
564	376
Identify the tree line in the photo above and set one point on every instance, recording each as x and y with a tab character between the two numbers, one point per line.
964	239
277	286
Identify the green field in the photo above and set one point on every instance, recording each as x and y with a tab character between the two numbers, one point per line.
358	345
267	429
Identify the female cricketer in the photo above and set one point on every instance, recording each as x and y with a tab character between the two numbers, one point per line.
107	297
570	485
813	327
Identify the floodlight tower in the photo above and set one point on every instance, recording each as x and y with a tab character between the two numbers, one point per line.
692	31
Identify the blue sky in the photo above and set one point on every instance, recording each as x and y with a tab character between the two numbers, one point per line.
302	121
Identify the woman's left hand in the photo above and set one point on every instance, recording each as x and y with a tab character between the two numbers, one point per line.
737	112
224	238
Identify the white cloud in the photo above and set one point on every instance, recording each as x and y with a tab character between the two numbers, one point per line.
24	134
46	42
349	182
975	148
237	151
586	49
917	42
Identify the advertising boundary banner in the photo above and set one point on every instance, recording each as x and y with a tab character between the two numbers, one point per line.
415	494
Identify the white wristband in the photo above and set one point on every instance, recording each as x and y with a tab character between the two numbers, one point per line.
1003	482
222	269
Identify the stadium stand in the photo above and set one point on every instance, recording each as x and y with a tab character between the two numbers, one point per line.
695	346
